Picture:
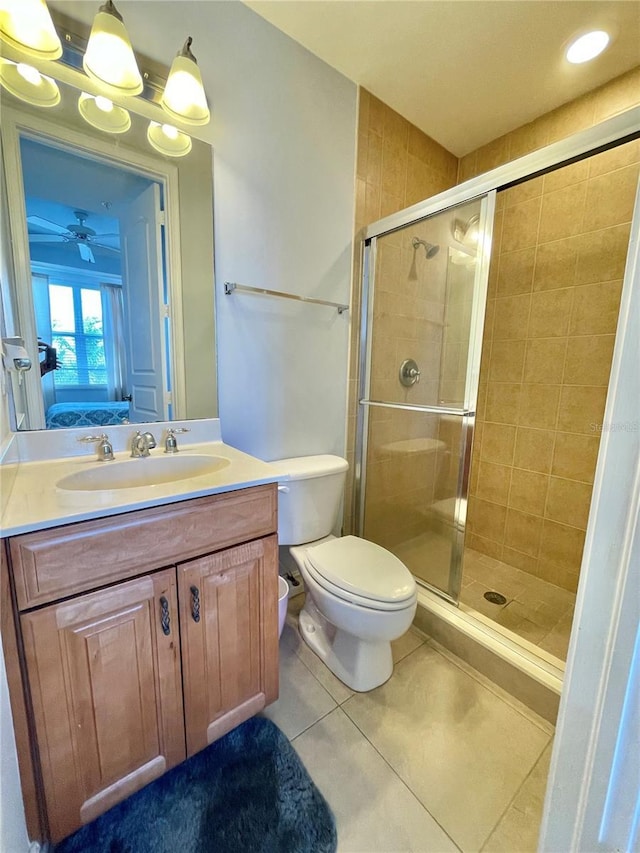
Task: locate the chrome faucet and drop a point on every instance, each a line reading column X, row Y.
column 105, row 448
column 141, row 444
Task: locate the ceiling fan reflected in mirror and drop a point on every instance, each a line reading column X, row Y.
column 84, row 237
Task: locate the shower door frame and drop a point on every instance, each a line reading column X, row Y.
column 608, row 134
column 466, row 412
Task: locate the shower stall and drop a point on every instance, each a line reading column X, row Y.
column 488, row 324
column 423, row 312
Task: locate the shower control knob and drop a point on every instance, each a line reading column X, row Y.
column 409, row 373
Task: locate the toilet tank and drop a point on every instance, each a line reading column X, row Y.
column 310, row 491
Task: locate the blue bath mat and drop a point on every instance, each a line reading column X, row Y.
column 246, row 792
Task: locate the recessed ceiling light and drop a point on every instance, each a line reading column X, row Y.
column 587, row 46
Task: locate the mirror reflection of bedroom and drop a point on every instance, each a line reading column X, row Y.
column 98, row 285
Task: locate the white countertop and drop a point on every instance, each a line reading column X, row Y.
column 35, row 502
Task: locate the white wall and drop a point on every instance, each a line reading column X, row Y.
column 284, row 178
column 283, row 132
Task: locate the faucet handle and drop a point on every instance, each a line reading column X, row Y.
column 170, row 441
column 105, row 448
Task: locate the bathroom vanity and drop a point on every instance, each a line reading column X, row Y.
column 134, row 640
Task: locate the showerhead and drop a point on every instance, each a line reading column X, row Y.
column 430, row 249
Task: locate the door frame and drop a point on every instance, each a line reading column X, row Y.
column 592, row 791
column 16, row 124
column 466, row 411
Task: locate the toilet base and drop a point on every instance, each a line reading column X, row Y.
column 361, row 664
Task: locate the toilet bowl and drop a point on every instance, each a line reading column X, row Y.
column 360, row 596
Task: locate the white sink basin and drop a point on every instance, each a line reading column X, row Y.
column 149, row 471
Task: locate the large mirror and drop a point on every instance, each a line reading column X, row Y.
column 112, row 289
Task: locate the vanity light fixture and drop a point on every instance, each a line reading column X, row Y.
column 184, row 98
column 168, row 140
column 587, row 46
column 27, row 26
column 103, row 114
column 27, row 83
column 467, row 232
column 109, row 58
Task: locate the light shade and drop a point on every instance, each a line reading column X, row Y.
column 27, row 26
column 109, row 58
column 184, row 98
column 467, row 232
column 28, row 84
column 103, row 114
column 587, row 46
column 168, row 140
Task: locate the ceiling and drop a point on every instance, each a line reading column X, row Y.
column 463, row 71
column 57, row 183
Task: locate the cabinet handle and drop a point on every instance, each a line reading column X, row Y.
column 195, row 603
column 165, row 619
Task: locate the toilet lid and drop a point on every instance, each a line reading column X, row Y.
column 362, row 568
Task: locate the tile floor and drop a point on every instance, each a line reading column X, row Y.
column 535, row 610
column 437, row 759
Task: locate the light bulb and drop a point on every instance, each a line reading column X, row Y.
column 183, row 92
column 26, row 83
column 27, row 25
column 104, row 104
column 183, row 97
column 30, row 74
column 109, row 57
column 587, row 47
column 168, row 140
column 103, row 114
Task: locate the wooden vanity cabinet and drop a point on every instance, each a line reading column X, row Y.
column 228, row 607
column 106, row 689
column 126, row 680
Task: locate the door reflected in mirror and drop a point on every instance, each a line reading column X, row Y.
column 96, row 243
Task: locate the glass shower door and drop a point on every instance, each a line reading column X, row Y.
column 424, row 301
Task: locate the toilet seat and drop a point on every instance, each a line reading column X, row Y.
column 352, row 598
column 362, row 573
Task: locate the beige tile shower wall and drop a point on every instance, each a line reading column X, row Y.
column 408, row 317
column 397, row 165
column 614, row 97
column 554, row 293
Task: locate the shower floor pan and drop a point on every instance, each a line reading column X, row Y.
column 528, row 673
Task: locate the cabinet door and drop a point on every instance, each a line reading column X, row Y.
column 229, row 631
column 104, row 672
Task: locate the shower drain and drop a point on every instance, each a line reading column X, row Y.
column 495, row 597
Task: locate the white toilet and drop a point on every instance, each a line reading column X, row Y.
column 360, row 597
